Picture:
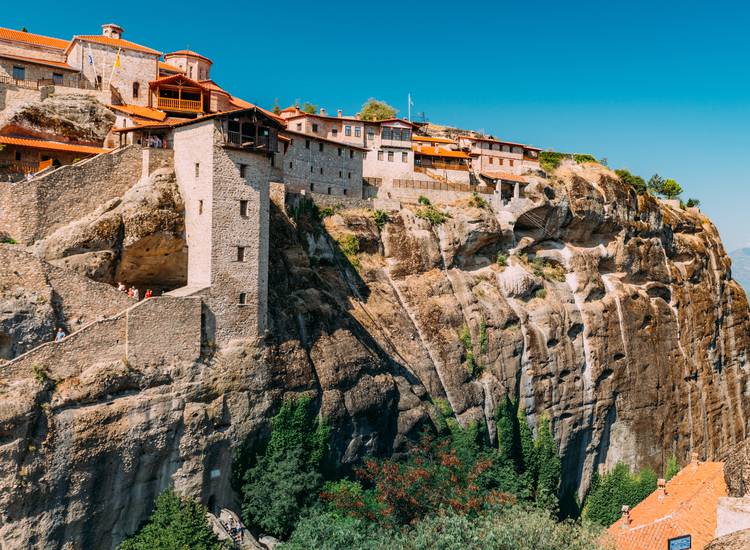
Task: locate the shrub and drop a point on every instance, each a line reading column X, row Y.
column 8, row 240
column 374, row 109
column 637, row 182
column 323, row 529
column 548, row 461
column 672, row 468
column 670, row 189
column 502, row 259
column 175, row 524
column 381, row 218
column 349, row 246
column 470, row 363
column 432, row 215
column 285, row 478
column 691, row 203
column 549, row 160
column 41, row 373
column 477, row 202
column 327, row 212
column 309, row 108
column 611, row 491
column 423, row 200
column 537, row 266
column 540, row 293
column 484, row 341
column 580, row 159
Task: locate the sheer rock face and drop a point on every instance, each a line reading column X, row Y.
column 70, row 117
column 636, row 350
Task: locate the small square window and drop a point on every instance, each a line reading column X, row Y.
column 314, row 127
column 340, row 151
column 311, row 169
column 243, row 169
column 312, row 187
column 349, row 175
column 243, row 298
column 320, row 147
column 243, row 209
column 329, row 191
column 345, row 192
column 357, row 131
column 197, row 169
column 321, row 170
column 290, row 164
column 240, row 253
column 299, row 126
column 380, row 155
column 334, row 132
column 307, row 144
column 18, row 155
column 341, row 174
column 200, row 207
column 347, row 130
column 492, row 161
column 404, row 157
column 351, row 153
column 390, row 156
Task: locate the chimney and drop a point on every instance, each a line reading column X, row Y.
column 661, row 485
column 322, row 112
column 694, row 462
column 111, row 30
column 339, row 113
column 625, row 516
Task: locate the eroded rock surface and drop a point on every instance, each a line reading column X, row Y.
column 628, row 332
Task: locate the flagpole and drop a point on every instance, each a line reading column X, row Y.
column 114, row 66
column 409, row 99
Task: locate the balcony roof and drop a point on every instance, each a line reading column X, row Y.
column 51, row 145
column 177, row 80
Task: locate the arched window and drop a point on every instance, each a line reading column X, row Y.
column 136, row 89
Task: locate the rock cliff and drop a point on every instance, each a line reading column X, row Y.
column 613, row 314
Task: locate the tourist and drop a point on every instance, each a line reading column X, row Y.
column 121, row 287
column 60, row 334
column 130, row 291
column 136, row 294
column 148, row 294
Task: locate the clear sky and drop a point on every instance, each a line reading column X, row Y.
column 654, row 86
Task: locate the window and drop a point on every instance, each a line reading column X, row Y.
column 380, row 155
column 190, row 72
column 501, row 162
column 349, row 175
column 370, row 132
column 290, row 164
column 315, row 127
column 404, row 157
column 57, row 78
column 334, row 132
column 357, row 131
column 351, row 153
column 390, row 156
column 98, row 82
column 299, row 126
column 19, row 73
column 18, row 155
column 320, row 147
column 136, row 89
column 345, row 193
column 243, row 209
column 243, row 298
column 328, row 191
column 492, row 161
column 387, row 133
column 511, row 162
column 240, row 253
column 341, row 174
column 307, row 144
column 340, row 151
column 312, row 187
column 200, row 207
column 311, row 169
column 243, row 170
column 197, row 169
column 321, row 170
column 347, row 130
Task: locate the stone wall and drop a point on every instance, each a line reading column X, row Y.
column 164, row 330
column 34, row 72
column 30, row 210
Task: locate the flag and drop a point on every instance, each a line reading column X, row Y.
column 117, row 59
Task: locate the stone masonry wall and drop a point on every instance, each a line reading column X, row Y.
column 30, row 210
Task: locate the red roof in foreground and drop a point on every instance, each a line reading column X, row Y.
column 30, row 38
column 687, row 508
column 51, row 145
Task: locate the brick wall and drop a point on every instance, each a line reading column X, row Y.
column 30, row 210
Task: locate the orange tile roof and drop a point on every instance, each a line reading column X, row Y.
column 114, row 42
column 688, row 508
column 504, row 142
column 51, row 145
column 36, row 39
column 176, row 77
column 143, row 112
column 497, row 175
column 187, row 52
column 168, row 67
column 428, row 139
column 438, row 152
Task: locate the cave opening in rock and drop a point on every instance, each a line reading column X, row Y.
column 6, row 346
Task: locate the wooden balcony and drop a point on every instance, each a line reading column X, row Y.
column 181, row 105
column 436, row 165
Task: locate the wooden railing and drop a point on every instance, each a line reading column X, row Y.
column 36, row 84
column 172, row 104
column 441, row 166
column 441, row 186
column 19, row 167
column 266, row 143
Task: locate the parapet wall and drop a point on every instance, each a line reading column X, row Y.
column 30, row 210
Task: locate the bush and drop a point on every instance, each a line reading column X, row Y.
column 672, row 468
column 327, row 212
column 477, row 202
column 693, row 203
column 424, row 200
column 432, row 215
column 381, row 218
column 580, row 159
column 349, row 246
column 637, row 182
column 309, row 108
column 540, row 293
column 502, row 259
column 328, row 530
column 550, row 160
column 285, row 478
column 611, row 491
column 8, row 240
column 175, row 524
column 670, row 189
column 375, row 109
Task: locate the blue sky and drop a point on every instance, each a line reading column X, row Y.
column 659, row 86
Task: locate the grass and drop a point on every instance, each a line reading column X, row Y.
column 432, row 215
column 41, row 374
column 8, row 240
column 502, row 259
column 548, row 269
column 471, row 365
column 349, row 246
column 424, row 200
column 381, row 218
column 477, row 202
column 541, row 293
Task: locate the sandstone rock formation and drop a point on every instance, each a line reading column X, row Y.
column 739, row 540
column 138, row 238
column 615, row 315
column 71, row 117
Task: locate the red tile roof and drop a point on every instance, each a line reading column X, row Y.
column 51, row 145
column 115, row 43
column 171, row 68
column 45, row 62
column 187, row 52
column 143, row 112
column 174, row 78
column 687, row 508
column 428, row 139
column 438, row 152
column 496, row 175
column 489, row 140
column 36, row 39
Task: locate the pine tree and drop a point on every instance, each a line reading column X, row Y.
column 507, row 440
column 548, row 484
column 529, row 460
column 175, row 524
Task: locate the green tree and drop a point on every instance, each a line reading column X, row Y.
column 276, row 107
column 309, row 108
column 374, row 109
column 655, row 183
column 672, row 468
column 529, row 464
column 671, row 189
column 285, row 478
column 611, row 491
column 175, row 524
column 637, row 182
column 548, row 484
column 693, row 203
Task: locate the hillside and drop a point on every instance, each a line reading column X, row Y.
column 741, row 266
column 607, row 311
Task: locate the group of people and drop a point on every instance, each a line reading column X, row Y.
column 234, row 529
column 134, row 292
column 156, row 142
